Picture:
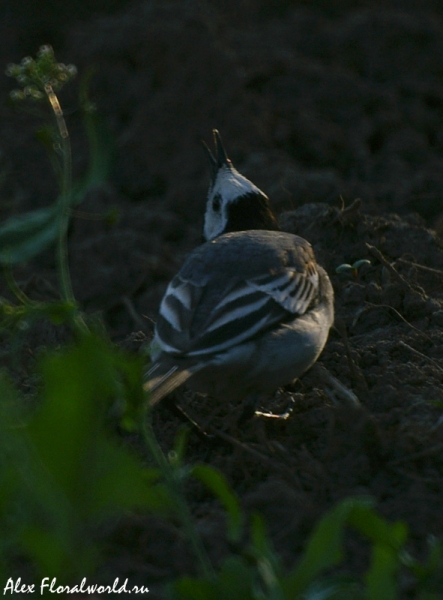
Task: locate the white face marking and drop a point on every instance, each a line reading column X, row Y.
column 229, row 186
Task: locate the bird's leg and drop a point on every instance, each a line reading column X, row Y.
column 281, row 416
column 183, row 415
column 249, row 410
column 257, row 418
column 346, row 396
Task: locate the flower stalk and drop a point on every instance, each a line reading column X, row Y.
column 39, row 79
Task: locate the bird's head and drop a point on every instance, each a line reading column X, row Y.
column 234, row 203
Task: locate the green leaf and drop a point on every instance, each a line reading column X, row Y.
column 57, row 311
column 334, row 588
column 236, row 580
column 191, row 588
column 381, row 579
column 12, row 442
column 216, row 482
column 101, row 154
column 267, row 560
column 360, row 263
column 388, row 541
column 366, row 521
column 53, row 554
column 94, row 473
column 22, row 237
column 130, row 384
column 180, row 442
column 100, row 140
column 70, row 473
column 66, row 426
column 344, row 268
column 122, row 482
column 324, row 548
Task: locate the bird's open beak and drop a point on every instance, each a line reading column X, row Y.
column 221, row 159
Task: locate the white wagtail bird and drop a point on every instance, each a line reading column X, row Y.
column 250, row 310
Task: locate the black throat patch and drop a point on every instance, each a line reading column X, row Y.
column 251, row 211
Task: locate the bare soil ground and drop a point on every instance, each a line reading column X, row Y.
column 319, row 107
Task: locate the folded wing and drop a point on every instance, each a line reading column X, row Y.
column 245, row 309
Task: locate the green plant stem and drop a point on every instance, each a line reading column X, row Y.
column 174, row 486
column 66, row 291
column 66, row 187
column 12, row 284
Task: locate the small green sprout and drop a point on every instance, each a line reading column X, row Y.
column 352, row 269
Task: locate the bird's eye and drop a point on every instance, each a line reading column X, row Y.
column 216, row 203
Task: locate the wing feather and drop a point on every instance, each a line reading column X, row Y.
column 294, row 290
column 245, row 308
